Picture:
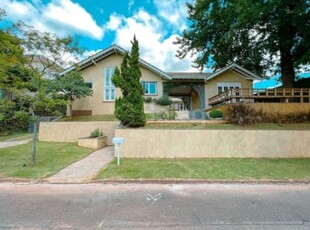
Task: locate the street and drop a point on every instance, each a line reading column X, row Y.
column 154, row 206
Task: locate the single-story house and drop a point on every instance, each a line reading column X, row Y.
column 193, row 88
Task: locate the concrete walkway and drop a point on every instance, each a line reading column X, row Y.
column 86, row 169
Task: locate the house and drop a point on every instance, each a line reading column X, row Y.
column 194, row 89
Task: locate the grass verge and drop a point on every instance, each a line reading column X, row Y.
column 102, row 117
column 220, row 168
column 263, row 126
column 19, row 135
column 51, row 157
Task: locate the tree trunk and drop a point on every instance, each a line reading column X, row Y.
column 70, row 106
column 34, row 141
column 287, row 68
column 34, row 136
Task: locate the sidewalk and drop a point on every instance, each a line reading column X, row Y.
column 86, row 169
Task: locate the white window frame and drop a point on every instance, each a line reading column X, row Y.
column 148, row 85
column 229, row 85
column 108, row 85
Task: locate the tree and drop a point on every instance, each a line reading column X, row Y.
column 29, row 59
column 129, row 108
column 70, row 87
column 259, row 35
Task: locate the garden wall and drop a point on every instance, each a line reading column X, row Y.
column 163, row 143
column 71, row 131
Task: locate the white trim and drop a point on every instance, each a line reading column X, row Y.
column 108, row 85
column 111, row 50
column 228, row 85
column 242, row 71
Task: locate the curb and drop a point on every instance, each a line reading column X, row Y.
column 198, row 181
column 160, row 181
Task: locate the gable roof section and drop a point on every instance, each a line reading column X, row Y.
column 92, row 60
column 237, row 68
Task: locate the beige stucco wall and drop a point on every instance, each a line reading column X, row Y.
column 71, row 131
column 228, row 76
column 163, row 143
column 95, row 73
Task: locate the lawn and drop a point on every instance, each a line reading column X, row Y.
column 213, row 169
column 17, row 135
column 103, row 117
column 262, row 126
column 51, row 157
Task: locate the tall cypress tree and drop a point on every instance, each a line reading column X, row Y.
column 129, row 108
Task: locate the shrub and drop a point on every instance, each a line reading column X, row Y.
column 96, row 133
column 148, row 99
column 163, row 101
column 243, row 114
column 216, row 113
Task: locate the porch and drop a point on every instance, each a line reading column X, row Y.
column 236, row 95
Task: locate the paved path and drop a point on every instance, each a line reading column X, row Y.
column 13, row 142
column 86, row 169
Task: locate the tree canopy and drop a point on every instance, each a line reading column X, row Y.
column 70, row 87
column 129, row 108
column 262, row 36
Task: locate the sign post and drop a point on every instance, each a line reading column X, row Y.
column 118, row 141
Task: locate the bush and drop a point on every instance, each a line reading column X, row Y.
column 242, row 114
column 216, row 113
column 148, row 99
column 96, row 133
column 163, row 101
column 11, row 119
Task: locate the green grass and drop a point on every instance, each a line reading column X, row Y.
column 19, row 135
column 263, row 126
column 102, row 117
column 51, row 157
column 221, row 168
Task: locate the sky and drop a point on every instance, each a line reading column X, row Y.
column 100, row 23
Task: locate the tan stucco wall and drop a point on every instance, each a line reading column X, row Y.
column 229, row 76
column 72, row 131
column 95, row 73
column 214, row 143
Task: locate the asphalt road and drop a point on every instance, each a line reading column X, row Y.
column 153, row 206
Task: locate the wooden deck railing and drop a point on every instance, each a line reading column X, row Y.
column 235, row 95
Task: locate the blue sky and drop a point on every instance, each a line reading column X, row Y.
column 101, row 23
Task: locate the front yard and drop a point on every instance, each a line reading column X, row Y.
column 51, row 157
column 213, row 169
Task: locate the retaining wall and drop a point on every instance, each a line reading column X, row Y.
column 163, row 143
column 71, row 131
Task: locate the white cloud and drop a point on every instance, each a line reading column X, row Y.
column 114, row 22
column 73, row 16
column 62, row 17
column 130, row 4
column 174, row 12
column 155, row 48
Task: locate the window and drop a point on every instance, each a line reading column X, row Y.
column 89, row 84
column 150, row 88
column 109, row 92
column 223, row 86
